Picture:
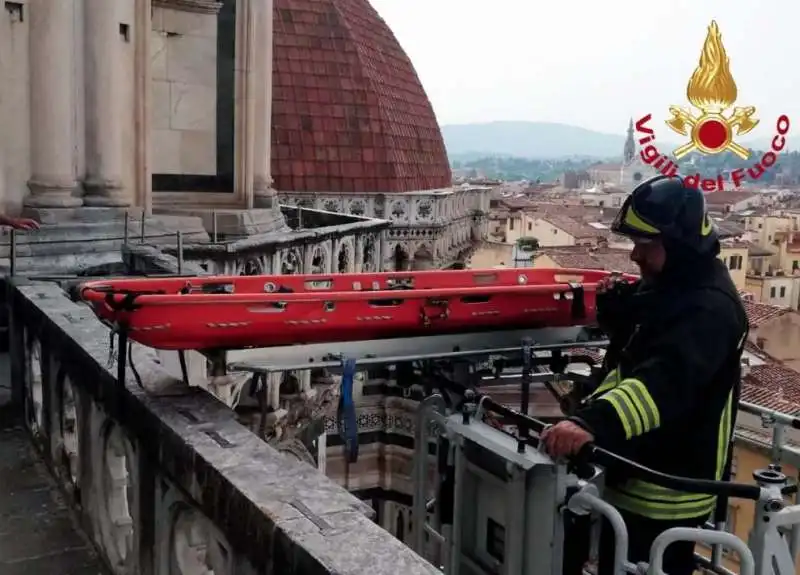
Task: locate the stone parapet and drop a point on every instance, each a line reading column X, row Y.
column 162, row 476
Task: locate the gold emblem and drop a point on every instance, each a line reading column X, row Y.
column 712, row 90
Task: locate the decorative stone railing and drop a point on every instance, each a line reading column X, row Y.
column 163, row 478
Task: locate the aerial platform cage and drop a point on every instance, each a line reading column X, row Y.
column 495, row 504
column 486, row 500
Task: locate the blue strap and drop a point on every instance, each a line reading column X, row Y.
column 346, row 414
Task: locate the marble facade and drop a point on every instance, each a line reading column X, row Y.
column 106, row 97
column 184, row 92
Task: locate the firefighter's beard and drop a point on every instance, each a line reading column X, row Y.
column 650, row 257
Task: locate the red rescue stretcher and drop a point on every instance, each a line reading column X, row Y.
column 232, row 312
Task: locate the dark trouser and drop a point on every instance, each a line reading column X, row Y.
column 678, row 558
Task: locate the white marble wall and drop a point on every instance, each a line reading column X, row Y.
column 184, row 100
column 14, row 110
column 127, row 94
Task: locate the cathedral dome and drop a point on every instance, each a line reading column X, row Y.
column 349, row 113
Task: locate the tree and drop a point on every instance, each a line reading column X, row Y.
column 528, row 244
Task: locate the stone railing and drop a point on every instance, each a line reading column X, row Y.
column 163, row 478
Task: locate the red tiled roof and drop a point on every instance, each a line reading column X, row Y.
column 349, row 113
column 760, row 313
column 574, row 227
column 727, row 197
column 773, row 386
column 594, row 259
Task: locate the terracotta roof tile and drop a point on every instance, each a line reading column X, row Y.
column 760, row 313
column 773, row 386
column 574, row 227
column 349, row 112
column 727, row 197
column 594, row 259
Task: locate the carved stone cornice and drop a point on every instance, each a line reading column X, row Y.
column 200, row 6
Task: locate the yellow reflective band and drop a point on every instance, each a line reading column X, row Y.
column 648, row 408
column 609, row 382
column 633, row 220
column 634, row 406
column 625, row 414
column 724, row 436
column 651, row 500
column 706, row 226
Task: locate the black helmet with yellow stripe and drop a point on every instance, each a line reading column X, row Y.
column 665, row 208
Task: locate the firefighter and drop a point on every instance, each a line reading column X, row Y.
column 668, row 390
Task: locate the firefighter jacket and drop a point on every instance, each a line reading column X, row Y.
column 669, row 389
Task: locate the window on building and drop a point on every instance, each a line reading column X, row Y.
column 530, row 226
column 783, row 291
column 735, row 262
column 510, row 223
column 772, row 291
column 795, row 265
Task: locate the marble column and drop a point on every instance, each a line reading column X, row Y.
column 322, row 452
column 104, row 68
column 142, row 28
column 246, row 38
column 52, row 98
column 359, row 255
column 382, row 255
column 263, row 194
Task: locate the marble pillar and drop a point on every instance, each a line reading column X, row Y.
column 104, row 68
column 383, row 256
column 274, row 381
column 244, row 125
column 263, row 194
column 52, row 99
column 322, row 452
column 359, row 255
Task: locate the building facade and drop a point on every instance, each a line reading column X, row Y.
column 183, row 107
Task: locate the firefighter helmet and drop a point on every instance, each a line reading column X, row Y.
column 664, row 207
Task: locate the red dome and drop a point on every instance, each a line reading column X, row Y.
column 349, row 113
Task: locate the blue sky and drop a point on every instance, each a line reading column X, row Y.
column 593, row 64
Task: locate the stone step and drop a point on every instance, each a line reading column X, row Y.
column 73, row 245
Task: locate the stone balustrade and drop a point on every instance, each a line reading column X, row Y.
column 163, row 478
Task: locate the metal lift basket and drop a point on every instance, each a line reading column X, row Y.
column 235, row 312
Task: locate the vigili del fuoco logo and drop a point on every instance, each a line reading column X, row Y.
column 711, row 127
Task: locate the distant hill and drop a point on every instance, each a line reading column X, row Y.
column 545, row 140
column 528, row 140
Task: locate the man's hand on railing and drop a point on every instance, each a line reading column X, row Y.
column 24, row 224
column 565, row 438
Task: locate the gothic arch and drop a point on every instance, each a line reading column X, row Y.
column 400, row 258
column 252, row 266
column 291, row 262
column 423, row 258
column 319, row 260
